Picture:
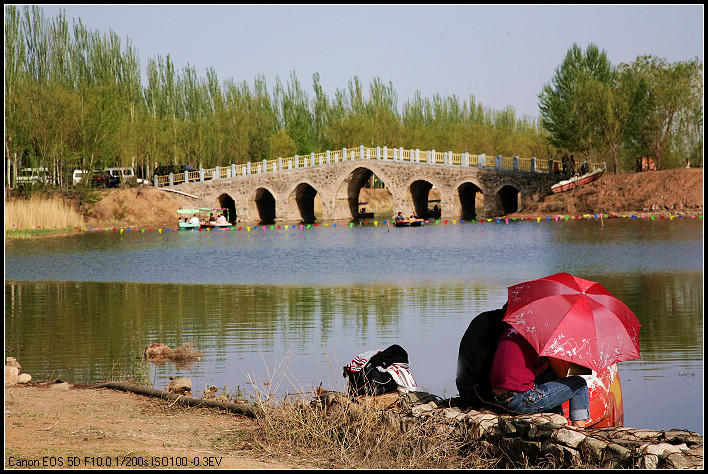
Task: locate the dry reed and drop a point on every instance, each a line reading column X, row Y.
column 347, row 434
column 185, row 353
column 38, row 213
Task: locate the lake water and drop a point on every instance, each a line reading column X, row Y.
column 284, row 310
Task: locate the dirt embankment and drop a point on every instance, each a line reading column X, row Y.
column 678, row 191
column 63, row 428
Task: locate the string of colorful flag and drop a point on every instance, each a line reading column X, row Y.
column 497, row 220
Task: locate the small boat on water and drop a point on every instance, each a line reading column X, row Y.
column 363, row 214
column 186, row 214
column 434, row 213
column 409, row 223
column 188, row 225
column 576, row 181
column 208, row 221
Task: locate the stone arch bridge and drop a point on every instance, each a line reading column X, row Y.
column 329, row 184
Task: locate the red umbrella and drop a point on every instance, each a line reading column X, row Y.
column 573, row 319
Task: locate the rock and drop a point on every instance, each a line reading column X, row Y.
column 12, row 362
column 180, row 385
column 683, row 461
column 643, row 434
column 158, row 351
column 616, row 456
column 420, row 410
column 454, row 413
column 11, row 375
column 648, row 461
column 61, row 386
column 564, row 455
column 682, row 436
column 661, row 449
column 24, row 378
column 569, row 437
column 592, row 448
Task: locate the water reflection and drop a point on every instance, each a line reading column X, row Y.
column 246, row 332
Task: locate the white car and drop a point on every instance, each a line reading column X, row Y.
column 30, row 176
column 126, row 175
column 79, row 175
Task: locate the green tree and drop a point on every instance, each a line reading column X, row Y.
column 559, row 100
column 609, row 111
column 673, row 114
column 281, row 145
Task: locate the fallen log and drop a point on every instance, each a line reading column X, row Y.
column 241, row 409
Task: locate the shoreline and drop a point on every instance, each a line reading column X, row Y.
column 518, row 216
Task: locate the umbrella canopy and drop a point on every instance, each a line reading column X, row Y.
column 573, row 319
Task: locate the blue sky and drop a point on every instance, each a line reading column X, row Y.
column 500, row 54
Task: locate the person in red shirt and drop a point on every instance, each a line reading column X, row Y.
column 524, row 382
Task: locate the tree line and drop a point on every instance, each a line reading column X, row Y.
column 647, row 108
column 75, row 99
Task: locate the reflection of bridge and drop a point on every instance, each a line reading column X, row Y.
column 287, row 188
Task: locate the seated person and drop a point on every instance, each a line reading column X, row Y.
column 194, row 219
column 400, row 217
column 515, row 385
column 211, row 217
column 221, row 219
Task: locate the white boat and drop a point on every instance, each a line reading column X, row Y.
column 576, row 181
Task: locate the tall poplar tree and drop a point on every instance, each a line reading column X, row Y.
column 558, row 100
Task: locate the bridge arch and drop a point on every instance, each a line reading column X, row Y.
column 464, row 199
column 507, row 199
column 262, row 205
column 301, row 203
column 346, row 196
column 417, row 194
column 227, row 202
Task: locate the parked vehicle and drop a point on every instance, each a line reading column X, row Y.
column 164, row 170
column 123, row 175
column 80, row 175
column 33, row 176
column 103, row 179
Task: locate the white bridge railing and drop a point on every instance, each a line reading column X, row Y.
column 431, row 157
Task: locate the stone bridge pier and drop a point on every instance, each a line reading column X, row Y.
column 295, row 194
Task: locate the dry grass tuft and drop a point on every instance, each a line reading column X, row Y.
column 346, row 434
column 185, row 353
column 159, row 352
column 40, row 213
column 326, row 429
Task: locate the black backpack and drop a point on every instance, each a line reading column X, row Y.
column 474, row 362
column 364, row 377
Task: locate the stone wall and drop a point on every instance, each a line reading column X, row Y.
column 540, row 440
column 530, row 439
